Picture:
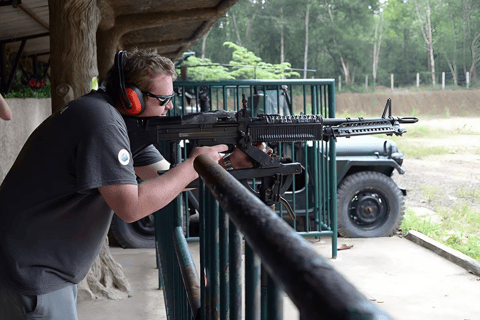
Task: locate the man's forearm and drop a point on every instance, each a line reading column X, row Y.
column 156, row 193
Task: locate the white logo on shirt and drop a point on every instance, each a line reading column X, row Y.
column 124, row 157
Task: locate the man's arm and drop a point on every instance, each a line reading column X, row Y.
column 151, row 171
column 5, row 112
column 133, row 202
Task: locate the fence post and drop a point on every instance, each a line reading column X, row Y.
column 443, row 80
column 339, row 83
column 391, row 81
column 468, row 79
column 418, row 79
column 366, row 83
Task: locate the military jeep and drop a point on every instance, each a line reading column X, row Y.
column 369, row 203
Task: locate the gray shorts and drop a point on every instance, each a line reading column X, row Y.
column 56, row 305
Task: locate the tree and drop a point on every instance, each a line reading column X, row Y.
column 423, row 10
column 447, row 39
column 246, row 65
column 206, row 70
column 307, row 16
column 377, row 42
column 347, row 26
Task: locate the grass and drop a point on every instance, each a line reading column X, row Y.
column 457, row 227
column 410, row 146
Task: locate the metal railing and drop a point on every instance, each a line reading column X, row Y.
column 215, row 290
column 313, row 193
column 288, row 263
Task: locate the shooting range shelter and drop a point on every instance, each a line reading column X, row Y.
column 77, row 40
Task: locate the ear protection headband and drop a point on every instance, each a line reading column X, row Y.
column 130, row 98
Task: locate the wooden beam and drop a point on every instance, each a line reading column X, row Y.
column 151, row 44
column 34, row 36
column 131, row 22
column 33, row 15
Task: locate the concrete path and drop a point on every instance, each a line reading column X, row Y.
column 403, row 278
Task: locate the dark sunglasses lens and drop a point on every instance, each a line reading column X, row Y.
column 164, row 101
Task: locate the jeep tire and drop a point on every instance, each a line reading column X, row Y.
column 369, row 204
column 139, row 234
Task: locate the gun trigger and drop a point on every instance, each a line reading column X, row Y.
column 288, row 207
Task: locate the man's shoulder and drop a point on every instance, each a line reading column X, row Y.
column 93, row 110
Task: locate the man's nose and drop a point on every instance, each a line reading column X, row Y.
column 169, row 105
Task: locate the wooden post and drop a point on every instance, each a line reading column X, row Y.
column 418, row 79
column 468, row 79
column 366, row 83
column 443, row 80
column 339, row 83
column 73, row 49
column 183, row 73
column 391, row 81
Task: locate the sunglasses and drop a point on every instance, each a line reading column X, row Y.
column 163, row 99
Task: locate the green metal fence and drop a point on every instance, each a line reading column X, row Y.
column 313, row 203
column 215, row 291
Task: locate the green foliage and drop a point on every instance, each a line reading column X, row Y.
column 344, row 30
column 27, row 92
column 19, row 87
column 246, row 65
column 205, row 70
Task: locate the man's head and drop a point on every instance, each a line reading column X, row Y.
column 146, row 70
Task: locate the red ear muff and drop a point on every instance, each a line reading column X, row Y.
column 130, row 98
column 135, row 97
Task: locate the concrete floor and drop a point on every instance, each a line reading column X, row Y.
column 401, row 277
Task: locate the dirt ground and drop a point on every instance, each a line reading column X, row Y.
column 443, row 173
column 447, row 110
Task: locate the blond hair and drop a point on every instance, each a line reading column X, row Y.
column 139, row 67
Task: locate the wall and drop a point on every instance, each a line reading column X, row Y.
column 27, row 114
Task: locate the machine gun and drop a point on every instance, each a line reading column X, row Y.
column 239, row 130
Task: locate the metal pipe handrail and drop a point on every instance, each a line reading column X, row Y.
column 188, row 271
column 316, row 288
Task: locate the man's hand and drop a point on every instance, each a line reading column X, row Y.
column 240, row 160
column 212, row 152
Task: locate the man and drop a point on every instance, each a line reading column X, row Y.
column 56, row 202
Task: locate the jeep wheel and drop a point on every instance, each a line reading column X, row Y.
column 369, row 204
column 139, row 234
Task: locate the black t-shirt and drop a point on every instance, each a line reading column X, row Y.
column 52, row 217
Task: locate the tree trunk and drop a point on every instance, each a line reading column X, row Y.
column 236, row 30
column 105, row 279
column 282, row 44
column 108, row 44
column 204, row 44
column 73, row 49
column 475, row 57
column 73, row 24
column 453, row 69
column 306, row 42
column 249, row 27
column 377, row 42
column 453, row 65
column 426, row 27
